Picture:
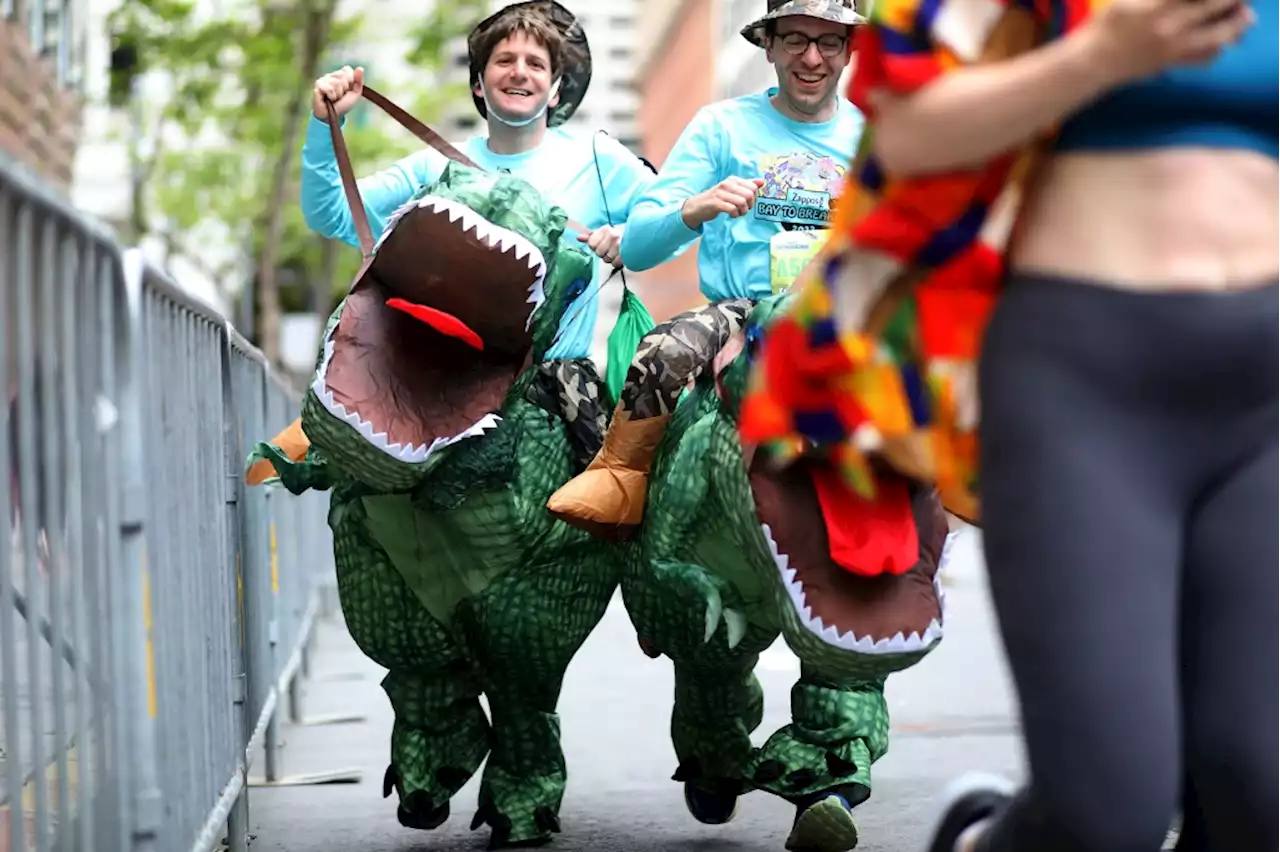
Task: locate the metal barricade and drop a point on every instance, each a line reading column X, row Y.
column 152, row 608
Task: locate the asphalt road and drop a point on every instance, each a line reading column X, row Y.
column 952, row 713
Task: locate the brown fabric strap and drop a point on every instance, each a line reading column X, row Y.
column 359, row 216
column 417, row 128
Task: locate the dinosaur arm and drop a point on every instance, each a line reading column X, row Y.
column 291, row 444
column 269, row 463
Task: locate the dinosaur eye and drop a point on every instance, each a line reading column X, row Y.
column 577, row 288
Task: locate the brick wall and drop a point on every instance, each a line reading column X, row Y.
column 39, row 121
column 679, row 79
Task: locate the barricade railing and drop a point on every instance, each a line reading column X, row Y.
column 153, row 609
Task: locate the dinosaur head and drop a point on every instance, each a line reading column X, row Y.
column 852, row 575
column 467, row 287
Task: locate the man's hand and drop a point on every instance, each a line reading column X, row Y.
column 344, row 87
column 606, row 242
column 733, row 195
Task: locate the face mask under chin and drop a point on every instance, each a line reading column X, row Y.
column 518, row 122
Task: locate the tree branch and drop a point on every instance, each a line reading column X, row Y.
column 314, row 36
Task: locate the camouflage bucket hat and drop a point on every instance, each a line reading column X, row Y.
column 575, row 73
column 835, row 11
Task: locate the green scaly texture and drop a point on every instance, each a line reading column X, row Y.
column 703, row 589
column 455, row 578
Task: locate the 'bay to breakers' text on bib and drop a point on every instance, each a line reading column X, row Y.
column 798, row 192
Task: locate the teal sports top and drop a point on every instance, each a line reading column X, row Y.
column 1229, row 103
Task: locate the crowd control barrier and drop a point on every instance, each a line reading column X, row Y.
column 155, row 613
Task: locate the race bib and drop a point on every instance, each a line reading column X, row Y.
column 790, row 252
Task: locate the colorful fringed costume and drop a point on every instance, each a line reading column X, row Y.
column 877, row 357
column 441, row 432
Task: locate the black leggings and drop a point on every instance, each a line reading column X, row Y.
column 1129, row 488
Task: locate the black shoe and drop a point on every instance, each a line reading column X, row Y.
column 416, row 811
column 969, row 799
column 707, row 807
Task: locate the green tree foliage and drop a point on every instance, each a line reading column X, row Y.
column 217, row 129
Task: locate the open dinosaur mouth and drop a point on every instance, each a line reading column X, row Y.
column 861, row 578
column 434, row 332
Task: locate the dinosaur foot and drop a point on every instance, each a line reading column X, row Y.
column 824, row 821
column 507, row 835
column 418, row 812
column 416, row 809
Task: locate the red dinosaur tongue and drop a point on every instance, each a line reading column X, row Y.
column 868, row 537
column 446, row 324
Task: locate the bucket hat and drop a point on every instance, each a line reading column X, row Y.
column 835, row 11
column 575, row 73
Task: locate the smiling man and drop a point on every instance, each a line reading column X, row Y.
column 530, row 68
column 754, row 177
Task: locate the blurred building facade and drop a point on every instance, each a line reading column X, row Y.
column 41, row 62
column 677, row 46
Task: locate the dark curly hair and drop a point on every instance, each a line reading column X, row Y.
column 521, row 19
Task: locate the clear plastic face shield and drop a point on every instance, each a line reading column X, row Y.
column 519, row 122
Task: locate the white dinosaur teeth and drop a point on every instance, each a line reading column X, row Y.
column 896, row 644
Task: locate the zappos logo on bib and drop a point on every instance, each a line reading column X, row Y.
column 798, row 190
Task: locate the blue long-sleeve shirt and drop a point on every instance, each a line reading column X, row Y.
column 563, row 168
column 802, row 165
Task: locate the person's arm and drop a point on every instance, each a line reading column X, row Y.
column 655, row 230
column 324, row 205
column 966, row 117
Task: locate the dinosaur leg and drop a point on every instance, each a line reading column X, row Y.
column 441, row 734
column 608, row 498
column 821, row 762
column 718, row 704
column 523, row 631
column 718, row 701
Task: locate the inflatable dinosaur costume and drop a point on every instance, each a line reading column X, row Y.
column 441, row 433
column 731, row 553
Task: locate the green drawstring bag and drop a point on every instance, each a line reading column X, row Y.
column 634, row 322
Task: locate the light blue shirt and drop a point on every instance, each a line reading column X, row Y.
column 562, row 168
column 802, row 164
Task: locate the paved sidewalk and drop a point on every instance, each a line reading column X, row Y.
column 952, row 713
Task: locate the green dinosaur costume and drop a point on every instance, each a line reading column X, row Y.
column 731, row 554
column 442, row 433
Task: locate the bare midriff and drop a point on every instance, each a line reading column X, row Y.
column 1166, row 220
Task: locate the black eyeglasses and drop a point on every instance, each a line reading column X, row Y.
column 829, row 44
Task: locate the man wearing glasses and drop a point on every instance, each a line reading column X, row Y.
column 755, row 176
